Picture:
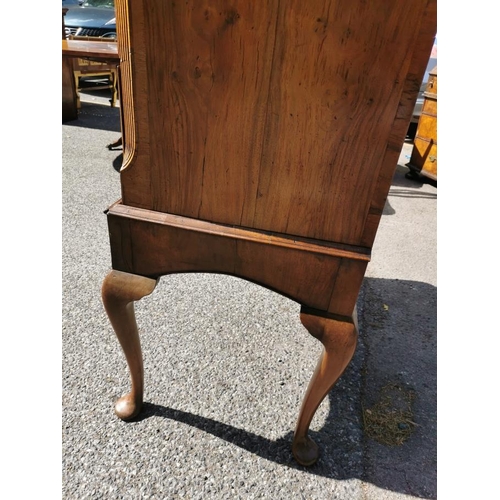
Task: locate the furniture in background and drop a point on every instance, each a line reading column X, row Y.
column 423, row 160
column 102, row 51
column 69, row 106
column 91, row 68
column 261, row 141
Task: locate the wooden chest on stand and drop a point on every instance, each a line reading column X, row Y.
column 261, row 142
column 423, row 159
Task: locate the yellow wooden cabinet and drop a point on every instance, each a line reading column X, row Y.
column 423, row 159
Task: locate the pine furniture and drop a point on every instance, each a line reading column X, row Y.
column 423, row 160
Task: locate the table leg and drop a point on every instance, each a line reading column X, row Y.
column 339, row 338
column 119, row 292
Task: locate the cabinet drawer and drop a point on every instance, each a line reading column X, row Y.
column 427, row 128
column 424, row 157
column 430, row 107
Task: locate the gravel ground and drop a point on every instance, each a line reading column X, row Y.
column 227, row 362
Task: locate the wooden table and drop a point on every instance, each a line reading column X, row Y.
column 69, row 97
column 84, row 49
column 262, row 138
column 95, row 51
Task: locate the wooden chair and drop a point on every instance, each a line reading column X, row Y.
column 83, row 67
column 260, row 141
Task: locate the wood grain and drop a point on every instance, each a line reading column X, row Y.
column 422, row 46
column 322, row 276
column 273, row 116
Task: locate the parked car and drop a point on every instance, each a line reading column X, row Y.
column 71, row 3
column 91, row 18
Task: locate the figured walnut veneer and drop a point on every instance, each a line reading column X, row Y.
column 260, row 140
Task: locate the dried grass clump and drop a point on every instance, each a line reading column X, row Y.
column 390, row 421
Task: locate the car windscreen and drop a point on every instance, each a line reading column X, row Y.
column 99, row 3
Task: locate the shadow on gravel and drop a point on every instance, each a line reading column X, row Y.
column 397, row 346
column 97, row 116
column 418, row 181
column 117, row 162
column 402, row 187
column 399, row 328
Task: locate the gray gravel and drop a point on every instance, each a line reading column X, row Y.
column 227, row 362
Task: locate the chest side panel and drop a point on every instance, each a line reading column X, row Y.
column 270, row 115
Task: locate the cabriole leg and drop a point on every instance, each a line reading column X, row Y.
column 339, row 340
column 119, row 291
